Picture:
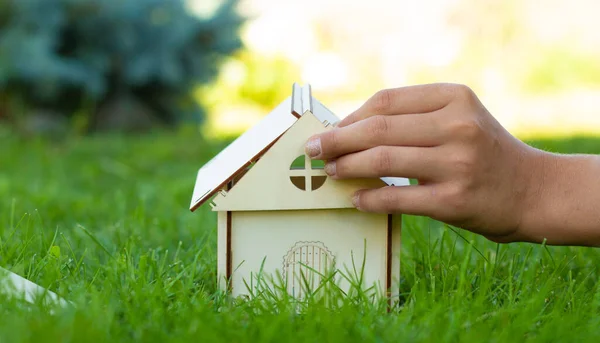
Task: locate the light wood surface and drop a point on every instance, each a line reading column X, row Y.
column 263, row 240
column 267, row 186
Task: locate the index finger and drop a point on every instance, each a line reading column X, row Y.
column 407, row 130
column 404, row 100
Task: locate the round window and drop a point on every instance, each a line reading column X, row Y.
column 307, row 174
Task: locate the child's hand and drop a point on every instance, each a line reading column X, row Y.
column 472, row 173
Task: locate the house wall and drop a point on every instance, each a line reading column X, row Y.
column 275, row 241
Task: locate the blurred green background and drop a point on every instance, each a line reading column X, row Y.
column 81, row 66
column 109, row 107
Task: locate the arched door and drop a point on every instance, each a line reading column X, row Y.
column 305, row 264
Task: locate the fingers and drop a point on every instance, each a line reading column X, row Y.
column 415, row 200
column 407, row 130
column 405, row 100
column 408, row 162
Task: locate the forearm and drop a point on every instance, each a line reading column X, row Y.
column 564, row 201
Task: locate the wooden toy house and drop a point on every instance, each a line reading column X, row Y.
column 279, row 213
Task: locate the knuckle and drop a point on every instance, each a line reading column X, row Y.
column 382, row 162
column 377, row 126
column 381, row 102
column 464, row 162
column 462, row 92
column 467, row 128
column 456, row 198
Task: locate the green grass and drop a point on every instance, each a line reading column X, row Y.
column 103, row 221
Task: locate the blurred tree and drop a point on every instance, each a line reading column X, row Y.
column 118, row 64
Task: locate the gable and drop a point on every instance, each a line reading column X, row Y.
column 222, row 168
column 271, row 184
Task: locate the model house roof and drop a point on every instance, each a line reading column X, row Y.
column 252, row 144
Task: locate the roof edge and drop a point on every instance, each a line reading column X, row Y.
column 249, row 146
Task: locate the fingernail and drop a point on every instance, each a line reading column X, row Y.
column 330, row 168
column 313, row 147
column 355, row 199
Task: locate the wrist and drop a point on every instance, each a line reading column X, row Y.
column 561, row 206
column 539, row 170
